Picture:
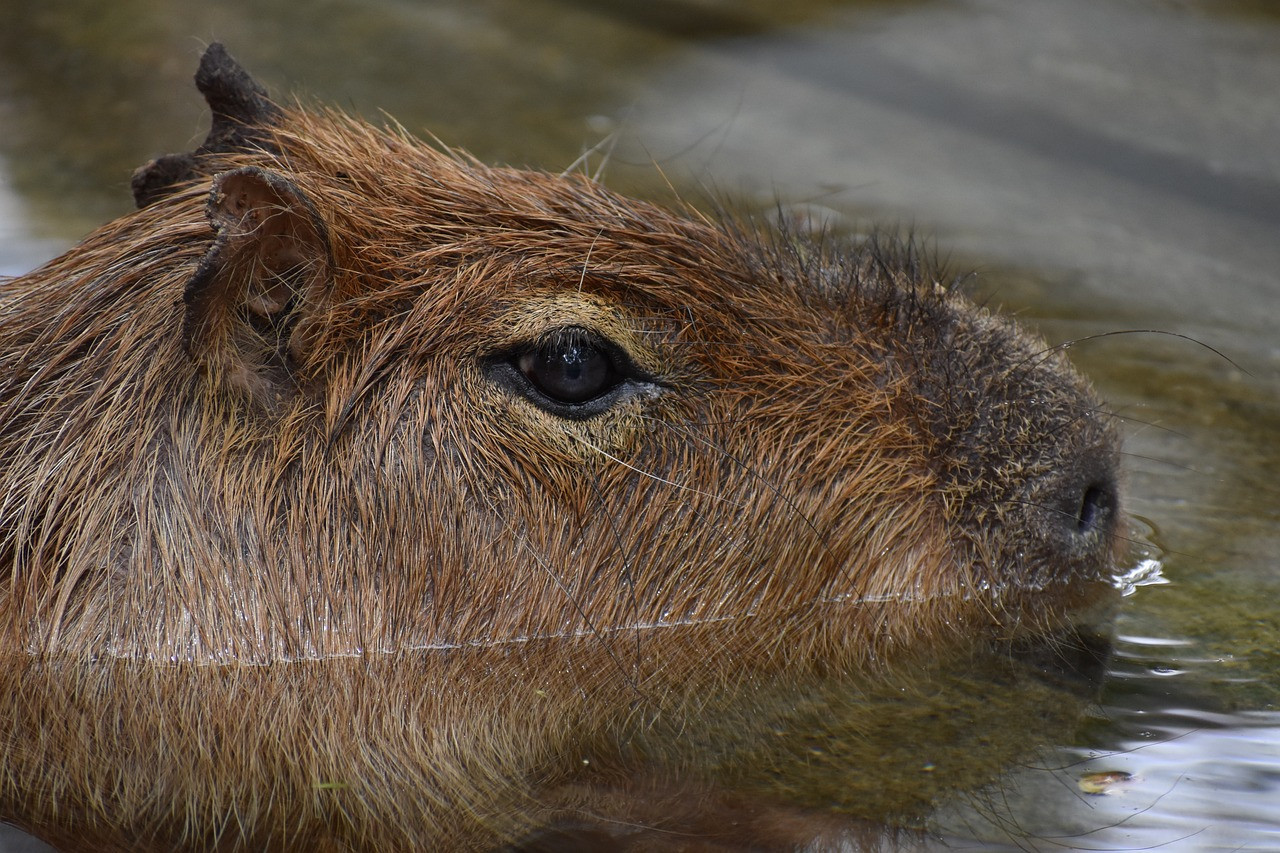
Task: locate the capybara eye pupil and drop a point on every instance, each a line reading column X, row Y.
column 570, row 370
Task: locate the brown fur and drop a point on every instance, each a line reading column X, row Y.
column 285, row 560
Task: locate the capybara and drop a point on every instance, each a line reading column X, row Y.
column 353, row 489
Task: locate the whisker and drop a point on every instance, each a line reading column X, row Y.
column 650, row 475
column 627, row 576
column 821, row 537
column 1065, row 345
column 586, row 619
column 1178, row 465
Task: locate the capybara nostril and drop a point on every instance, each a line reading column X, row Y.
column 1095, row 514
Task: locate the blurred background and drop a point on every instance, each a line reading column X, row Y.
column 1099, row 166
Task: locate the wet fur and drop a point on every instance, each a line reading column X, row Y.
column 282, row 565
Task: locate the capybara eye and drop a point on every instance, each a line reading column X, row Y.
column 571, row 369
column 573, row 373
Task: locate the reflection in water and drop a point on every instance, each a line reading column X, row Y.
column 1190, row 779
column 833, row 760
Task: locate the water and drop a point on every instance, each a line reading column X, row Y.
column 1105, row 167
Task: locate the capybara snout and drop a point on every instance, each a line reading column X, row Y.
column 350, row 485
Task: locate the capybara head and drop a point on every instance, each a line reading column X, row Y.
column 349, row 483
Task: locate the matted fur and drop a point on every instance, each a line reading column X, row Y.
column 282, row 565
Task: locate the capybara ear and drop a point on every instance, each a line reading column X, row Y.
column 268, row 268
column 242, row 114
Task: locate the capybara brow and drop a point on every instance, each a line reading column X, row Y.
column 350, row 486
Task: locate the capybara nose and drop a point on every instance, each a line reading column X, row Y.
column 1081, row 510
column 1074, row 511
